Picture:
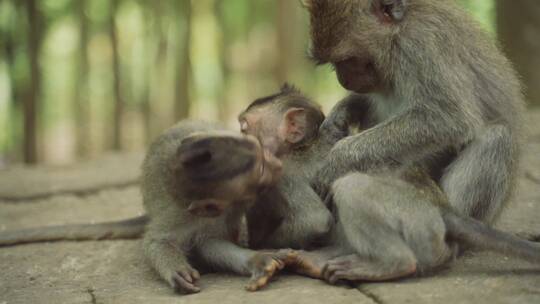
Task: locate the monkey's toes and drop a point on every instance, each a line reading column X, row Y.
column 308, row 264
column 266, row 265
column 333, row 273
column 341, row 268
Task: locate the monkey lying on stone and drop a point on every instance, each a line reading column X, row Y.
column 197, row 182
column 390, row 223
column 195, row 165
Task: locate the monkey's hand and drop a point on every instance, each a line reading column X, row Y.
column 184, row 280
column 265, row 264
column 322, row 182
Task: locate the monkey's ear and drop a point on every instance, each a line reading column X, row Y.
column 390, row 11
column 293, row 127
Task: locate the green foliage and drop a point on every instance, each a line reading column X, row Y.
column 483, row 11
column 234, row 54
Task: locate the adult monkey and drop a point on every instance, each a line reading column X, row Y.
column 436, row 90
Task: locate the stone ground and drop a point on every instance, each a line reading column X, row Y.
column 115, row 271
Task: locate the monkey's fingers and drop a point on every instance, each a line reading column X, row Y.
column 185, row 283
column 195, row 274
column 328, row 272
column 286, row 257
column 338, row 269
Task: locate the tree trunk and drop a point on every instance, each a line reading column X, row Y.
column 33, row 94
column 182, row 101
column 144, row 101
column 518, row 25
column 12, row 37
column 285, row 35
column 117, row 80
column 223, row 45
column 82, row 108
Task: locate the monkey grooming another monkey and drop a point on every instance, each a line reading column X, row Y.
column 389, row 224
column 436, row 89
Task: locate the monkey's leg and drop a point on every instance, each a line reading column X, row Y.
column 357, row 268
column 368, row 225
column 379, row 252
column 479, row 182
column 260, row 265
column 169, row 260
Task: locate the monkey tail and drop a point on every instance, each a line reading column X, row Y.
column 125, row 229
column 480, row 236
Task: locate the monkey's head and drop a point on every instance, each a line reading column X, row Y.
column 284, row 121
column 217, row 170
column 355, row 36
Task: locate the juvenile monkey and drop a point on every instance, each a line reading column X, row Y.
column 197, row 182
column 389, row 224
column 436, row 89
column 292, row 214
column 192, row 166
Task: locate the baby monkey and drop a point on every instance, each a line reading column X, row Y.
column 197, row 183
column 292, row 214
column 389, row 223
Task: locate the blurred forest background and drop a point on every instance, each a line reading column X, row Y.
column 82, row 77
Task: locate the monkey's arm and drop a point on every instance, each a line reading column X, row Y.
column 351, row 110
column 407, row 137
column 223, row 255
column 165, row 249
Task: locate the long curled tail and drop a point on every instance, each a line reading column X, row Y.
column 125, row 229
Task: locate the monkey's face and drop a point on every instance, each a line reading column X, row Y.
column 357, row 74
column 262, row 122
column 219, row 170
column 352, row 35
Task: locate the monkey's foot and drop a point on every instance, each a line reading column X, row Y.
column 310, row 264
column 355, row 268
column 185, row 280
column 265, row 264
